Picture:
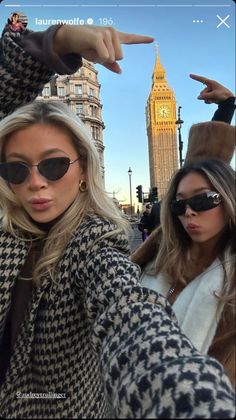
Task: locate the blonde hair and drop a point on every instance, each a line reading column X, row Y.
column 214, row 139
column 95, row 200
column 175, row 242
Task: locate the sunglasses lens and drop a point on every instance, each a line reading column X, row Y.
column 199, row 202
column 14, row 172
column 54, row 168
column 178, row 207
column 205, row 201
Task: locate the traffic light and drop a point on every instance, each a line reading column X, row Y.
column 155, row 193
column 153, row 196
column 139, row 193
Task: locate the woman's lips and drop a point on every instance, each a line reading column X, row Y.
column 40, row 204
column 191, row 227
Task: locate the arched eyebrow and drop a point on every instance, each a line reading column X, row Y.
column 193, row 192
column 42, row 155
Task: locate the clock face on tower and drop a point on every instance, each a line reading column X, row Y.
column 163, row 111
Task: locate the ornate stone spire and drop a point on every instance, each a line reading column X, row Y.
column 159, row 73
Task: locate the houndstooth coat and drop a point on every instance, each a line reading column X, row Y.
column 95, row 344
column 22, row 76
column 102, row 344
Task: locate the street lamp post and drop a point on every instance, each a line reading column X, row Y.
column 179, row 122
column 130, row 189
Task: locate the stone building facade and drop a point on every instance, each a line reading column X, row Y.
column 81, row 92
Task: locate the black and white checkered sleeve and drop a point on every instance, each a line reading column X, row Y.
column 22, row 76
column 149, row 367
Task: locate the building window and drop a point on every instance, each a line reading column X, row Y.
column 79, row 109
column 93, row 111
column 95, row 132
column 78, row 89
column 46, row 91
column 61, row 91
column 91, row 92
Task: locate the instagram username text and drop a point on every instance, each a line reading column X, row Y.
column 48, row 22
column 48, row 395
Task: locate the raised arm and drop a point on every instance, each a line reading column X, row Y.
column 28, row 60
column 97, row 44
column 149, row 368
column 216, row 93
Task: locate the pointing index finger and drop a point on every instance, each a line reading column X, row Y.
column 200, row 79
column 126, row 38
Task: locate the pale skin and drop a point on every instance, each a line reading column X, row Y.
column 50, row 142
column 96, row 44
column 214, row 92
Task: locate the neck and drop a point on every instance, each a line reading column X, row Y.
column 209, row 250
column 48, row 225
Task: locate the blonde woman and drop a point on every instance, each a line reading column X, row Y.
column 195, row 261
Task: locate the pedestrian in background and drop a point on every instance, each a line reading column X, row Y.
column 155, row 215
column 144, row 225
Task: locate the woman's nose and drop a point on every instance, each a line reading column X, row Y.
column 189, row 211
column 36, row 180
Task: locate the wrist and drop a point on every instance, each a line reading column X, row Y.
column 230, row 101
column 60, row 43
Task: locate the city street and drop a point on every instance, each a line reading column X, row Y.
column 136, row 238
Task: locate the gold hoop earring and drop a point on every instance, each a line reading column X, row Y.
column 83, row 186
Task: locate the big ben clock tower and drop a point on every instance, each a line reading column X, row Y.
column 161, row 130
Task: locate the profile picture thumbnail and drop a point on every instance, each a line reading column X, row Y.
column 17, row 22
